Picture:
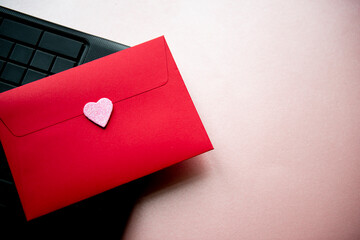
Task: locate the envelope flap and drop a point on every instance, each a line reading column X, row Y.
column 62, row 96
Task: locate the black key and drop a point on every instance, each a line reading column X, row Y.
column 60, row 44
column 5, row 47
column 42, row 60
column 20, row 32
column 32, row 75
column 61, row 64
column 21, row 54
column 12, row 73
column 2, row 64
column 4, row 87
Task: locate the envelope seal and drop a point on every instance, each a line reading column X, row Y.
column 99, row 112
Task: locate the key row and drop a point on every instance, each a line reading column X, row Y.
column 13, row 73
column 50, row 41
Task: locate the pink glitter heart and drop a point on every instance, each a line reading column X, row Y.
column 99, row 112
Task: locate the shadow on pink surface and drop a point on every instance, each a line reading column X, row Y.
column 177, row 175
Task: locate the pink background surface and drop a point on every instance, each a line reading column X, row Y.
column 277, row 85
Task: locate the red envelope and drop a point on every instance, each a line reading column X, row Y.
column 58, row 157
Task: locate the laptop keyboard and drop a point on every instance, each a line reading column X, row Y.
column 28, row 53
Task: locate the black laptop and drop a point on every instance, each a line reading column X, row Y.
column 31, row 49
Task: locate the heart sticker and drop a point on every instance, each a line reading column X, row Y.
column 99, row 112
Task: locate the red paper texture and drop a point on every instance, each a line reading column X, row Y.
column 58, row 157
